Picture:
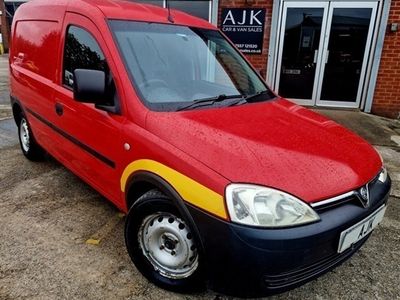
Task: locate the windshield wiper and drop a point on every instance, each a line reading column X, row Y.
column 255, row 95
column 209, row 101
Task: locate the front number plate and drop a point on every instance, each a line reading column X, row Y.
column 356, row 232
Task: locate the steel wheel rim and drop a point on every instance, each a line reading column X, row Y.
column 24, row 135
column 168, row 244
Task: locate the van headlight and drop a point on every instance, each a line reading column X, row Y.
column 266, row 207
column 383, row 175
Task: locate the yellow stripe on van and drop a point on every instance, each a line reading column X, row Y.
column 190, row 190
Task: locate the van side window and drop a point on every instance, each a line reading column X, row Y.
column 81, row 52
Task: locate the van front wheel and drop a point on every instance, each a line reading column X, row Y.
column 29, row 147
column 162, row 245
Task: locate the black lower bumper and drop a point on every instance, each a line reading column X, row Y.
column 247, row 261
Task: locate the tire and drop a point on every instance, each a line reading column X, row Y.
column 29, row 146
column 162, row 245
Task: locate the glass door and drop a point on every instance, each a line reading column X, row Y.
column 346, row 50
column 323, row 51
column 302, row 36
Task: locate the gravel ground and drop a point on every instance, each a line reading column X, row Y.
column 47, row 214
column 5, row 113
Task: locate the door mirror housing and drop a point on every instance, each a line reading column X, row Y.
column 90, row 87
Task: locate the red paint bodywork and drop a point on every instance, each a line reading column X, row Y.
column 275, row 143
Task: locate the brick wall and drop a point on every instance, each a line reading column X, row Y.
column 259, row 61
column 387, row 93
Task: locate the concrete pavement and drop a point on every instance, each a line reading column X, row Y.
column 4, row 81
column 8, row 133
column 382, row 133
column 8, row 136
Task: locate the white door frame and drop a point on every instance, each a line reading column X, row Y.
column 328, row 6
column 333, row 5
column 302, row 4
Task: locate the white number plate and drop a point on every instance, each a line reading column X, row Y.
column 356, row 232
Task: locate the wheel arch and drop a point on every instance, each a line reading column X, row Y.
column 16, row 109
column 141, row 182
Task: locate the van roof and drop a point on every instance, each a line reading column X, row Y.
column 112, row 9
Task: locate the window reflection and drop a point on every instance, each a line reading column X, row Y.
column 81, row 52
column 30, row 49
column 200, row 9
column 152, row 2
column 301, row 41
column 197, row 8
column 347, row 42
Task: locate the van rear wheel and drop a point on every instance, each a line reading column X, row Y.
column 28, row 144
column 162, row 245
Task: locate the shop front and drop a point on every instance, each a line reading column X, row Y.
column 342, row 54
column 323, row 52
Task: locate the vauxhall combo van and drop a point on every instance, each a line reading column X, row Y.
column 224, row 184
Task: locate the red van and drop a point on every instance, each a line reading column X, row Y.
column 224, row 183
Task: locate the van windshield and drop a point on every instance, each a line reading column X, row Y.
column 172, row 65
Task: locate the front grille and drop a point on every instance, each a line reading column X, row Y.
column 350, row 197
column 300, row 275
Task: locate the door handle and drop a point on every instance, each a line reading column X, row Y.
column 59, row 109
column 20, row 57
column 315, row 56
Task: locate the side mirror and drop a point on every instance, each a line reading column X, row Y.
column 89, row 86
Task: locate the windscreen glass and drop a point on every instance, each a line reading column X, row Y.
column 172, row 65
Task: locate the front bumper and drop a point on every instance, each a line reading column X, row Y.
column 247, row 261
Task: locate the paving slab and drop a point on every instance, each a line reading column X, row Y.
column 376, row 130
column 8, row 133
column 4, row 80
column 382, row 133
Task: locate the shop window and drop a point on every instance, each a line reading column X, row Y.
column 200, row 9
column 152, row 2
column 197, row 8
column 11, row 7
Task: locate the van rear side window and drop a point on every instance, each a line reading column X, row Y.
column 36, row 46
column 81, row 52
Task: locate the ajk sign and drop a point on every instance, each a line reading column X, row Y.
column 245, row 28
